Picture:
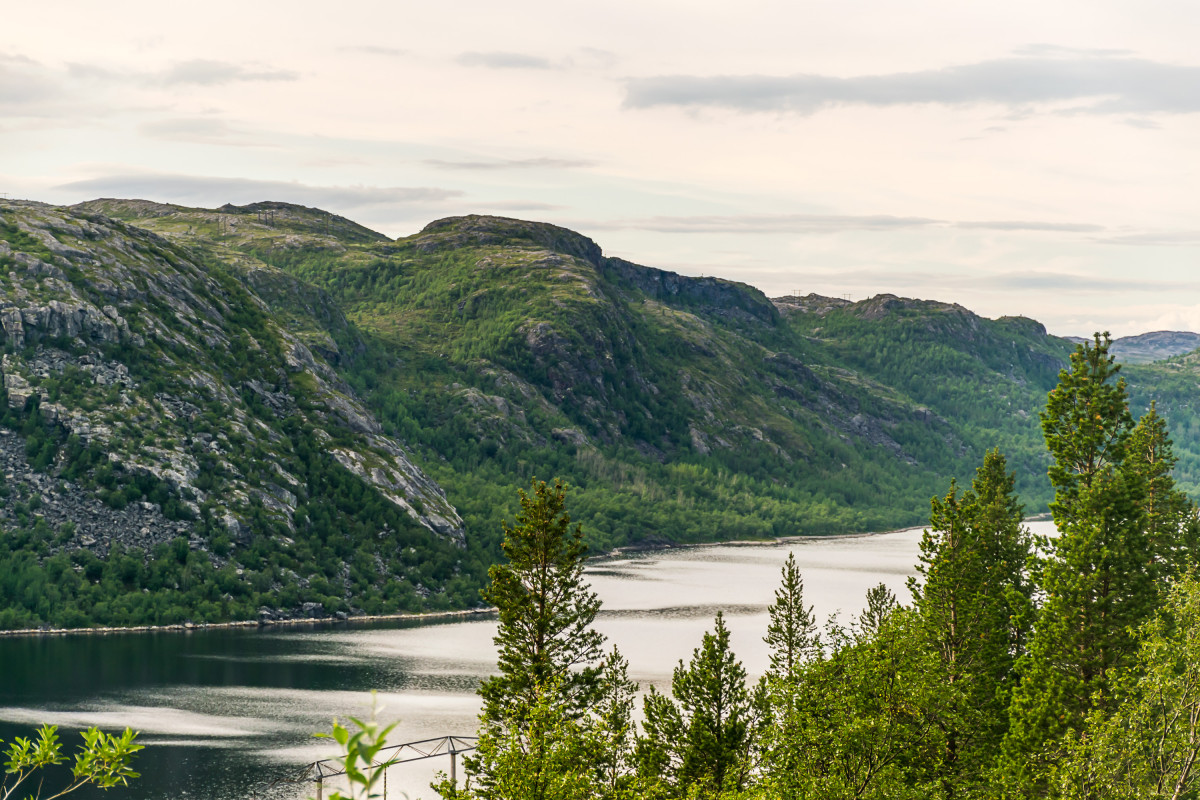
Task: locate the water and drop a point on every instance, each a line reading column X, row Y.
column 221, row 712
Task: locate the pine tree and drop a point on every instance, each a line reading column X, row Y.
column 700, row 740
column 614, row 728
column 1099, row 579
column 1170, row 517
column 881, row 601
column 546, row 613
column 974, row 606
column 792, row 632
column 1150, row 746
column 794, row 642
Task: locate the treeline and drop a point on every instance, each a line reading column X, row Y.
column 1066, row 667
column 349, row 549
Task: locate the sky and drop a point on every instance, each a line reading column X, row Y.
column 1018, row 158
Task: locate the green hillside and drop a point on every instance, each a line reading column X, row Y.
column 297, row 375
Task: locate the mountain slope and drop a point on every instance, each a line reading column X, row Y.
column 139, row 372
column 681, row 408
column 435, row 373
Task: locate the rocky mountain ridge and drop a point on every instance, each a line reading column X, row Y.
column 328, row 419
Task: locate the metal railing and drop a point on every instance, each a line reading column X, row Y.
column 319, row 771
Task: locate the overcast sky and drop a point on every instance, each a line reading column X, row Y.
column 1020, row 157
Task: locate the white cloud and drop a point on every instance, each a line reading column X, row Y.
column 213, row 191
column 1096, row 83
column 503, row 60
column 510, row 163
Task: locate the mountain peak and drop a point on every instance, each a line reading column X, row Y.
column 480, row 229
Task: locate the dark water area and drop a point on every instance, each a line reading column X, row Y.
column 224, row 712
column 154, row 682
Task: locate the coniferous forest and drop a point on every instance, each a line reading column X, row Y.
column 1066, row 667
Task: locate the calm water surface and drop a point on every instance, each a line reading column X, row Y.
column 223, row 711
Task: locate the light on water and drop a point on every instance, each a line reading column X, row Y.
column 224, row 711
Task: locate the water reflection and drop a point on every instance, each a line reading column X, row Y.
column 224, row 711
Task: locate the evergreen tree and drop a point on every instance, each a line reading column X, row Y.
column 550, row 756
column 794, row 641
column 615, row 732
column 974, row 606
column 1150, row 746
column 546, row 613
column 881, row 601
column 1099, row 579
column 1170, row 517
column 700, row 740
column 792, row 632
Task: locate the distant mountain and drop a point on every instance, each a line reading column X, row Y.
column 1148, row 347
column 1155, row 346
column 271, row 410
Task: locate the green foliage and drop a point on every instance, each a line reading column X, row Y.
column 103, row 760
column 1149, row 747
column 862, row 724
column 974, row 605
column 1171, row 523
column 360, row 749
column 554, row 723
column 546, row 613
column 549, row 757
column 792, row 632
column 1099, row 581
column 700, row 738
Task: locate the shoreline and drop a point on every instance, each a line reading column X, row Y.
column 615, row 553
column 189, row 627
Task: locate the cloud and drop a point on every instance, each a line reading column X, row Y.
column 1144, row 124
column 1098, row 83
column 1020, row 225
column 211, row 192
column 204, row 72
column 503, row 60
column 25, row 85
column 519, row 205
column 768, row 223
column 826, row 223
column 196, row 72
column 1078, row 284
column 197, row 130
column 1041, row 49
column 1154, row 239
column 511, row 163
column 374, row 50
column 1016, row 281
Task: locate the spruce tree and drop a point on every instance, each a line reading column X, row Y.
column 1170, row 517
column 700, row 740
column 794, row 642
column 546, row 612
column 974, row 606
column 792, row 632
column 1150, row 746
column 614, row 729
column 881, row 602
column 1098, row 580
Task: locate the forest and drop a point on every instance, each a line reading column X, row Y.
column 1063, row 667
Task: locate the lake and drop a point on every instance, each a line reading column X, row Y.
column 223, row 711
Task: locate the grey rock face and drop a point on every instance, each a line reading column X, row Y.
column 91, row 284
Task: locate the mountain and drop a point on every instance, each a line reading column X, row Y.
column 1149, row 347
column 298, row 415
column 1156, row 346
column 160, row 407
